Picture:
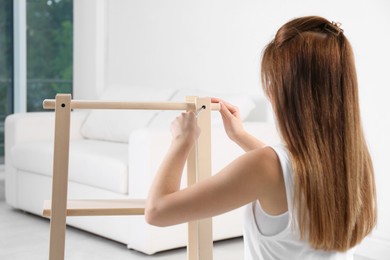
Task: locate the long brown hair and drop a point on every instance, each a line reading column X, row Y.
column 308, row 72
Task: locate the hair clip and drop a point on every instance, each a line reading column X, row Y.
column 334, row 28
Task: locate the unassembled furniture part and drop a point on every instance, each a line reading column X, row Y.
column 200, row 242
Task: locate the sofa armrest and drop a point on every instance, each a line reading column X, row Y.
column 38, row 126
column 148, row 146
column 31, row 127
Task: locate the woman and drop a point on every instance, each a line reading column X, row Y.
column 312, row 197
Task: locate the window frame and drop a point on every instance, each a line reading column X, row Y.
column 20, row 57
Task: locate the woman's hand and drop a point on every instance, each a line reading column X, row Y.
column 234, row 127
column 185, row 129
column 231, row 119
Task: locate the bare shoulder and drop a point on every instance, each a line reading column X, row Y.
column 266, row 155
column 266, row 159
column 268, row 170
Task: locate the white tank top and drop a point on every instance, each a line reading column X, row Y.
column 276, row 237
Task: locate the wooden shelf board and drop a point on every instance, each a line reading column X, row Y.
column 100, row 207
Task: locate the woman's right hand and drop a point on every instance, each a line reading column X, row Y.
column 231, row 119
column 185, row 128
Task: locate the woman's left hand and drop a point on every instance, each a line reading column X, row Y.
column 185, row 128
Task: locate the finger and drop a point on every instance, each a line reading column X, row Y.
column 228, row 105
column 188, row 114
column 215, row 100
column 191, row 114
column 225, row 111
column 233, row 109
column 218, row 100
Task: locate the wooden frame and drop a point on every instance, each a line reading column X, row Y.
column 200, row 241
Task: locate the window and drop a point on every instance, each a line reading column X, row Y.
column 49, row 50
column 49, row 36
column 6, row 67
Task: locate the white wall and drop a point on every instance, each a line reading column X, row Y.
column 184, row 44
column 217, row 43
column 89, row 50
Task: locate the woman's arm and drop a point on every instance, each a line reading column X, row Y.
column 255, row 174
column 234, row 128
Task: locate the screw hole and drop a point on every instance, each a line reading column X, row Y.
column 203, row 107
column 62, row 105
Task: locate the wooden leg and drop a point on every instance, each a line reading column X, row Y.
column 205, row 227
column 60, row 177
column 193, row 239
column 200, row 237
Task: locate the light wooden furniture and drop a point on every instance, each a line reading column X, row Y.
column 200, row 242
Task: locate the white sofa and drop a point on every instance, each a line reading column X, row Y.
column 114, row 155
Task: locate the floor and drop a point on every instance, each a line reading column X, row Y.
column 25, row 236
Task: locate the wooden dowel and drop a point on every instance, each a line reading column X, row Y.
column 91, row 104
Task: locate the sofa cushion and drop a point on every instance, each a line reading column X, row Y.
column 99, row 164
column 116, row 125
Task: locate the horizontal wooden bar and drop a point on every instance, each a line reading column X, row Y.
column 93, row 104
column 100, row 207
